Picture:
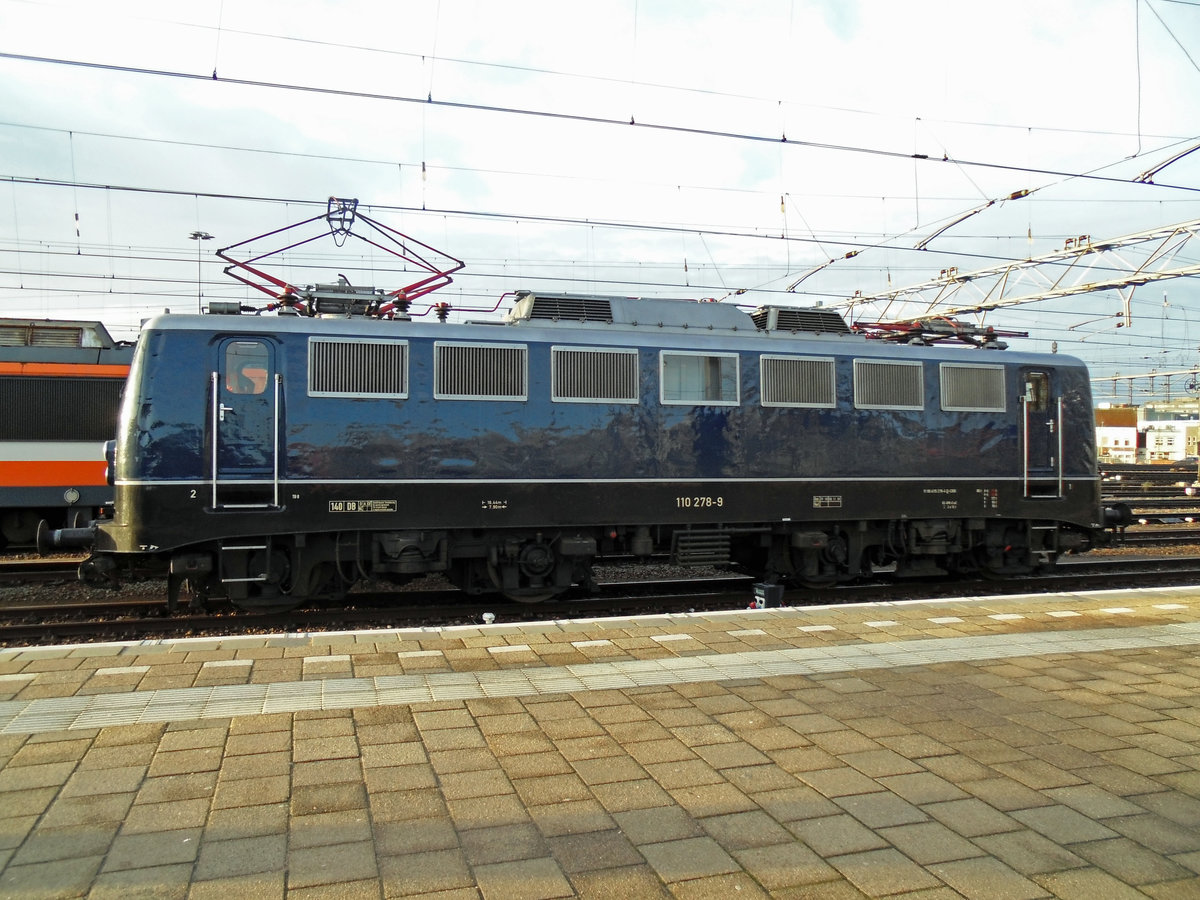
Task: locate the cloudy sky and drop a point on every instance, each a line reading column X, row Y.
column 677, row 148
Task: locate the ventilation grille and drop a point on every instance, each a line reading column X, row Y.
column 40, row 336
column 59, row 409
column 797, row 381
column 888, row 385
column 972, row 388
column 357, row 368
column 603, row 376
column 787, row 318
column 480, row 372
column 576, row 309
column 700, row 548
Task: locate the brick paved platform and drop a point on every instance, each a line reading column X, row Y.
column 1010, row 747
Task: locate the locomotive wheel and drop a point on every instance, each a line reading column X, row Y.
column 1005, row 555
column 531, row 595
column 530, row 578
column 816, row 584
column 268, row 596
column 821, row 568
column 1003, row 573
column 261, row 604
column 538, row 594
column 19, row 526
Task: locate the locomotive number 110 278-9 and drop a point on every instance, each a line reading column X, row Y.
column 700, row 502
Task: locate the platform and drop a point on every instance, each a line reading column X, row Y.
column 1006, row 747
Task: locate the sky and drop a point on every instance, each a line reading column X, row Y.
column 660, row 148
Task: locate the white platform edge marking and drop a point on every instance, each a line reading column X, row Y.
column 224, row 701
column 315, row 638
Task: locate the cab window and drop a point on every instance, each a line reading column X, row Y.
column 1037, row 391
column 246, row 367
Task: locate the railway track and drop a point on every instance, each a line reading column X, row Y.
column 1162, row 536
column 37, row 570
column 143, row 616
column 139, row 617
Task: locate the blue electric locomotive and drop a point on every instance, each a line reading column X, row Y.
column 276, row 460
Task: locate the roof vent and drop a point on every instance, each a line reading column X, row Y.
column 566, row 307
column 789, row 318
column 25, row 333
column 570, row 310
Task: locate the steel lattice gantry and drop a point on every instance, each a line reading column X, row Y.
column 1083, row 265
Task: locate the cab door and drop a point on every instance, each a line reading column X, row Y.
column 245, row 393
column 1041, row 434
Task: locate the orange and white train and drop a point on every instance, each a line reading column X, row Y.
column 60, row 389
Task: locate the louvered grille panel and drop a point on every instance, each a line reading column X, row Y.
column 480, row 371
column 968, row 388
column 59, row 409
column 888, row 385
column 595, row 375
column 580, row 309
column 40, row 336
column 797, row 381
column 364, row 368
column 787, row 318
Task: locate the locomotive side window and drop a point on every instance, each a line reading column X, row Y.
column 587, row 375
column 798, row 381
column 709, row 379
column 888, row 385
column 967, row 388
column 246, row 367
column 480, row 371
column 1037, row 391
column 357, row 368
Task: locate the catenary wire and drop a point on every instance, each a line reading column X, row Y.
column 660, row 127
